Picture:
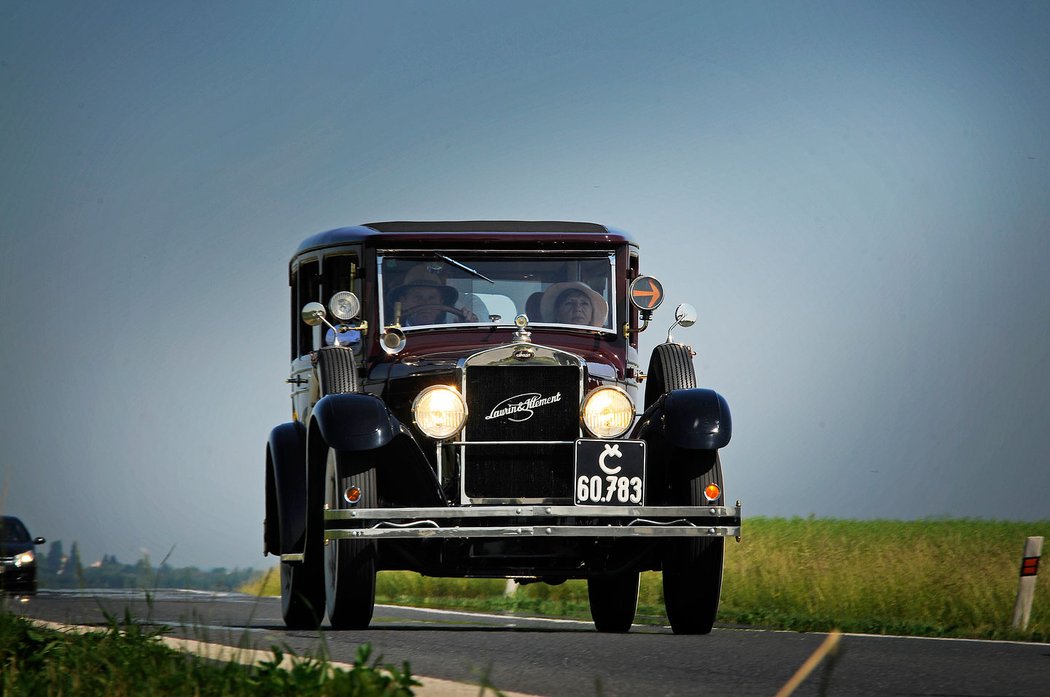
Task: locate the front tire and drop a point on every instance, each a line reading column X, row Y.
column 614, row 601
column 302, row 594
column 692, row 568
column 350, row 565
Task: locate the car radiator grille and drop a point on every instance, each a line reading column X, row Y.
column 520, row 403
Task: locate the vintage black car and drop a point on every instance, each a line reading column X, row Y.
column 466, row 407
column 17, row 557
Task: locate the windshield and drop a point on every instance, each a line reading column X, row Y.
column 434, row 289
column 12, row 530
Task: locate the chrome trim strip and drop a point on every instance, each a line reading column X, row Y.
column 573, row 327
column 504, row 353
column 513, row 442
column 292, row 557
column 529, row 511
column 539, row 531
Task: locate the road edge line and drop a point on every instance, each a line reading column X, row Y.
column 431, row 687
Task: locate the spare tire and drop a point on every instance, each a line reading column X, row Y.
column 670, row 368
column 338, row 370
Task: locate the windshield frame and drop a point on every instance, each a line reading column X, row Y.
column 478, row 257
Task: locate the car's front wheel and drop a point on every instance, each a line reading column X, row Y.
column 692, row 567
column 302, row 594
column 614, row 600
column 350, row 565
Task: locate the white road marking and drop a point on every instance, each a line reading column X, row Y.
column 431, row 687
column 242, row 597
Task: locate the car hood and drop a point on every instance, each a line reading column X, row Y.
column 10, row 549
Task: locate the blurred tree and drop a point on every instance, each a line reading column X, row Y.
column 110, row 573
column 55, row 559
column 74, row 564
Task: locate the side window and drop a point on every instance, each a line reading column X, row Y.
column 341, row 272
column 306, row 287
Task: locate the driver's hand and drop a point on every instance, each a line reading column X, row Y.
column 467, row 315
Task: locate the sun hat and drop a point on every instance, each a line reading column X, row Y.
column 599, row 308
column 421, row 276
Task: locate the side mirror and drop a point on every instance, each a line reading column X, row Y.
column 39, row 541
column 313, row 313
column 684, row 316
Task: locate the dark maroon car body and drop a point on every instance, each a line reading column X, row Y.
column 504, row 495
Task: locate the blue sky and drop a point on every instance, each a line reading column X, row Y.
column 856, row 197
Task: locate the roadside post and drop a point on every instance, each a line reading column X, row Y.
column 1033, row 548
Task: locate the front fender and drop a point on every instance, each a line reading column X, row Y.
column 693, row 419
column 351, row 422
column 285, row 488
column 362, row 424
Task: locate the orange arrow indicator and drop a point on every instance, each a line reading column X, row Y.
column 646, row 293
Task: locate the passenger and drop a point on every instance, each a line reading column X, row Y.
column 426, row 299
column 573, row 302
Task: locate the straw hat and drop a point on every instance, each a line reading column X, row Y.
column 421, row 276
column 599, row 308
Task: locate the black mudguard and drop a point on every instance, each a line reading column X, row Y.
column 693, row 419
column 352, row 422
column 357, row 423
column 285, row 489
column 363, row 424
column 406, row 478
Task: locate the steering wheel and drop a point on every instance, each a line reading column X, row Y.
column 462, row 313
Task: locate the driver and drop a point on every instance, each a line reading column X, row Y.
column 425, row 299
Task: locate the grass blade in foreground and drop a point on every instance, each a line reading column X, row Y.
column 129, row 660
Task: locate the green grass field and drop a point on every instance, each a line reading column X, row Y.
column 930, row 578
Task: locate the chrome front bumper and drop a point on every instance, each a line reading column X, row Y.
column 534, row 521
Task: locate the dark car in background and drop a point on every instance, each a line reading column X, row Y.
column 467, row 401
column 17, row 557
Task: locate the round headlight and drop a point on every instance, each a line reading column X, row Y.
column 25, row 558
column 608, row 412
column 439, row 411
column 344, row 305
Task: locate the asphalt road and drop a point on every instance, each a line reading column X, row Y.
column 559, row 657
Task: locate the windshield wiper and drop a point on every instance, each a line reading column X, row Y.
column 464, row 267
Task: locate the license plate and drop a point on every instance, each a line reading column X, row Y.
column 609, row 473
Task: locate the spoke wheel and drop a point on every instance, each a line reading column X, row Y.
column 350, row 565
column 614, row 600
